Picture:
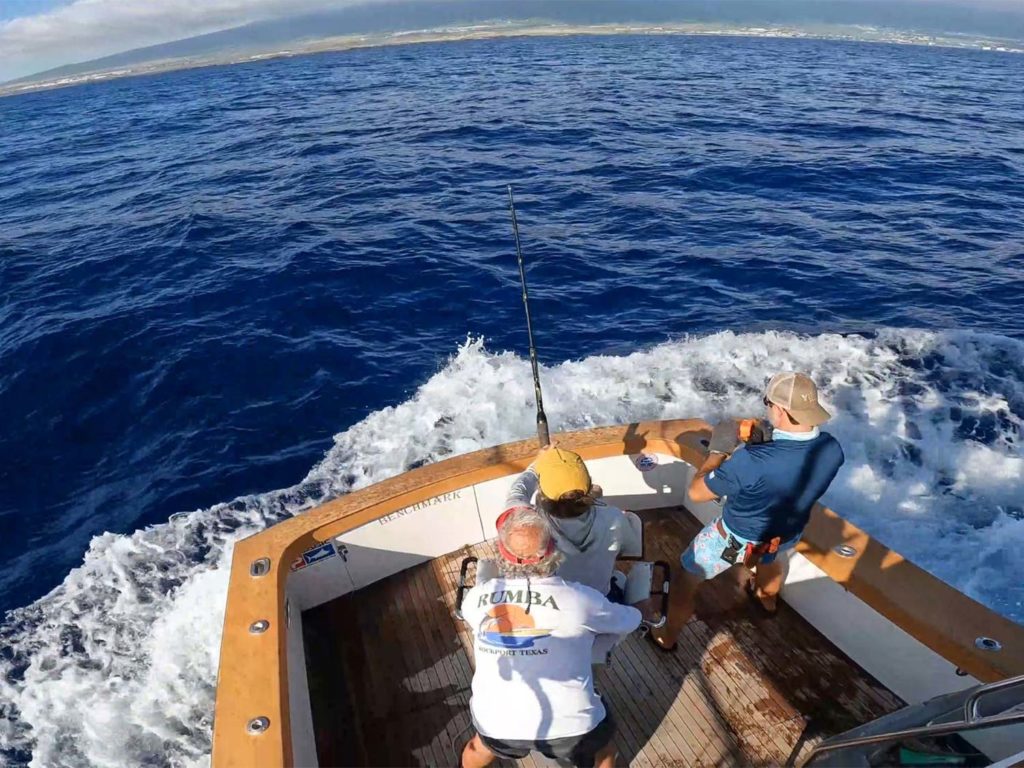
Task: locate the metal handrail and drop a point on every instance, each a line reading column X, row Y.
column 971, row 707
column 971, row 721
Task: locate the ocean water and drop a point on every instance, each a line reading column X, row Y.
column 229, row 294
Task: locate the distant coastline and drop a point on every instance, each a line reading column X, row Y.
column 862, row 34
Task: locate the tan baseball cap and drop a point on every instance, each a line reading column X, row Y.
column 796, row 394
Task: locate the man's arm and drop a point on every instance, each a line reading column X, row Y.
column 632, row 535
column 523, row 488
column 699, row 491
column 607, row 618
column 725, row 438
column 471, row 607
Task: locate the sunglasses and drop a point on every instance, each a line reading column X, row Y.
column 768, row 404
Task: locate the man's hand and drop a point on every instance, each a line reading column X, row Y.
column 760, row 432
column 725, row 437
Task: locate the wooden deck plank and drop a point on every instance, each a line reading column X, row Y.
column 413, row 717
column 432, row 665
column 679, row 729
column 689, row 703
column 402, row 686
column 675, row 741
column 418, row 678
column 628, row 737
column 455, row 660
column 740, row 689
column 664, row 745
column 729, row 692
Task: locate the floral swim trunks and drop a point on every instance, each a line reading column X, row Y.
column 704, row 555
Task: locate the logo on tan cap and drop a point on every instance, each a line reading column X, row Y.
column 796, row 394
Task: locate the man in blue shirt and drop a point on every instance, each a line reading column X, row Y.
column 770, row 489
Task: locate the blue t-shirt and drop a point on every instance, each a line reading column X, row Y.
column 773, row 486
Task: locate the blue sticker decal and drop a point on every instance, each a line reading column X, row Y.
column 645, row 462
column 315, row 555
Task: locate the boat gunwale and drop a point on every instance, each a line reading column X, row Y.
column 253, row 672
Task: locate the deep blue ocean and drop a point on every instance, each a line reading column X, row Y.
column 229, row 293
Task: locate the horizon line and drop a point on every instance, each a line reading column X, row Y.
column 510, row 29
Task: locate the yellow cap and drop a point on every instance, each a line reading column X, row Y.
column 561, row 472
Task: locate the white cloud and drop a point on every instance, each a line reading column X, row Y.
column 86, row 29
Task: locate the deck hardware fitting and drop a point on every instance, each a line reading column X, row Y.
column 257, row 725
column 844, row 550
column 987, row 644
column 259, row 626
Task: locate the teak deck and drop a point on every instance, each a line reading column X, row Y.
column 390, row 670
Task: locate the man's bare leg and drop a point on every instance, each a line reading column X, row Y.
column 475, row 754
column 768, row 583
column 605, row 757
column 682, row 600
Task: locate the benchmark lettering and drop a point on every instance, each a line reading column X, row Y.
column 444, row 497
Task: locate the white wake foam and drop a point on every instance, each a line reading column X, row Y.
column 117, row 666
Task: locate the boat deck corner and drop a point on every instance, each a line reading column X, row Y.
column 390, row 670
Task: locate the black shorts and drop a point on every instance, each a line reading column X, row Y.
column 570, row 750
column 616, row 594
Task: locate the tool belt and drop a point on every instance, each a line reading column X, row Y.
column 749, row 554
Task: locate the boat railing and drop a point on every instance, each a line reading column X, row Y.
column 971, row 720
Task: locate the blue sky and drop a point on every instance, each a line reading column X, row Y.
column 40, row 34
column 12, row 9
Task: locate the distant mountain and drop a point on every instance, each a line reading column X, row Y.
column 999, row 20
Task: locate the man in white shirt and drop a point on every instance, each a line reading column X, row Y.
column 589, row 533
column 533, row 688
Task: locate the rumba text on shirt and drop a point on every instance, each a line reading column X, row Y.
column 520, row 596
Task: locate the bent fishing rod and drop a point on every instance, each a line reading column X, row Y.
column 542, row 421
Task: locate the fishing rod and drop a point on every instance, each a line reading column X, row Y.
column 542, row 421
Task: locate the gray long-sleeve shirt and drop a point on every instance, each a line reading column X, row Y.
column 590, row 543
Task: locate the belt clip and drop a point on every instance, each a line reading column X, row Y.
column 751, row 555
column 731, row 552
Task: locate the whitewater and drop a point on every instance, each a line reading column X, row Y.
column 118, row 665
